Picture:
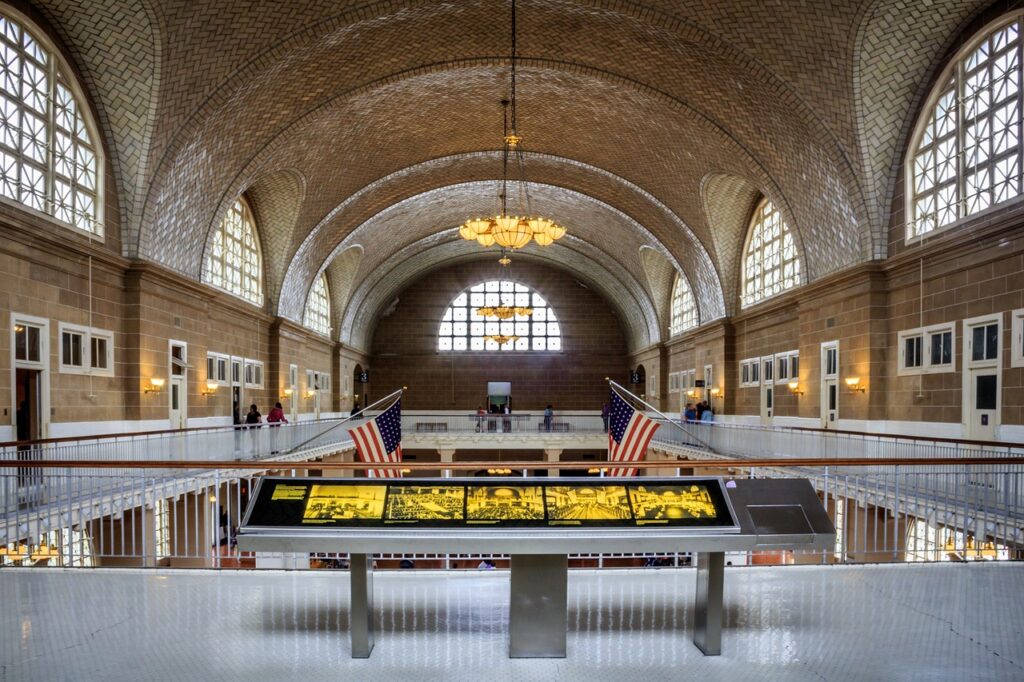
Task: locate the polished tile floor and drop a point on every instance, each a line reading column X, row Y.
column 902, row 622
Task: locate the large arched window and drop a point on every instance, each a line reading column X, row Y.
column 684, row 308
column 233, row 261
column 967, row 144
column 463, row 328
column 49, row 154
column 770, row 261
column 318, row 307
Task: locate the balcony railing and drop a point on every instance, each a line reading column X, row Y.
column 154, row 513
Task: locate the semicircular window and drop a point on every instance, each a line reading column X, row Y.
column 233, row 260
column 49, row 148
column 771, row 263
column 499, row 316
column 967, row 146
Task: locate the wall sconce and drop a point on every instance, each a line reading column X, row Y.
column 691, row 393
column 156, row 385
column 794, row 388
column 211, row 387
column 716, row 392
column 286, row 394
column 853, row 383
column 309, row 393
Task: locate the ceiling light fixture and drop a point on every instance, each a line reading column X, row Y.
column 501, row 311
column 512, row 231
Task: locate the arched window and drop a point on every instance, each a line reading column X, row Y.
column 770, row 261
column 233, row 261
column 463, row 328
column 967, row 144
column 318, row 307
column 49, row 154
column 684, row 308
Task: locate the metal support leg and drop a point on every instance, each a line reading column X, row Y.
column 361, row 609
column 538, row 606
column 708, row 614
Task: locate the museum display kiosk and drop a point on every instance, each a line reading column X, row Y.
column 538, row 522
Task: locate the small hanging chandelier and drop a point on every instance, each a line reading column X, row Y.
column 502, row 311
column 512, row 231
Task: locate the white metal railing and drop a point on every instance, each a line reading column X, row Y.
column 519, row 423
column 149, row 517
column 776, row 442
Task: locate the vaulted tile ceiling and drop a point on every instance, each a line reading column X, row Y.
column 368, row 131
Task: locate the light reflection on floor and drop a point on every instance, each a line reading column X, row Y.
column 836, row 623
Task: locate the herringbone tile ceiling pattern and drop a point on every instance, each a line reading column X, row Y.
column 654, row 122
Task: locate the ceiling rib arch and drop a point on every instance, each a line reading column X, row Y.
column 624, row 294
column 638, row 207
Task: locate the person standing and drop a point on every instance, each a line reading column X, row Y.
column 708, row 415
column 690, row 413
column 275, row 419
column 506, row 421
column 480, row 414
column 253, row 421
column 355, row 410
column 548, row 416
column 604, row 416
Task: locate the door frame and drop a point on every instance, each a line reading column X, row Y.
column 767, row 412
column 971, row 367
column 172, row 379
column 827, row 380
column 43, row 366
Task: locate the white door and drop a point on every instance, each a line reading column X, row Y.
column 982, row 376
column 30, row 374
column 177, row 395
column 293, row 395
column 178, row 384
column 830, row 385
column 767, row 389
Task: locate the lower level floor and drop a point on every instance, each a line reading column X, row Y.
column 871, row 622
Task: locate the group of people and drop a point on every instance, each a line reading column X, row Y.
column 254, row 420
column 482, row 423
column 700, row 412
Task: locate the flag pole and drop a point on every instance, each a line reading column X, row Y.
column 622, row 389
column 357, row 415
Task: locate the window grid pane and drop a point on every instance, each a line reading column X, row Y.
column 463, row 329
column 968, row 157
column 318, row 307
column 233, row 261
column 48, row 159
column 771, row 264
column 684, row 308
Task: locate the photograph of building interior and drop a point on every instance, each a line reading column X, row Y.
column 789, row 233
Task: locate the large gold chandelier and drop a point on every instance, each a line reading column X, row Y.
column 512, row 231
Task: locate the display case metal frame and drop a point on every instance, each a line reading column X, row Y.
column 769, row 514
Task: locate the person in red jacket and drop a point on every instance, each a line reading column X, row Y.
column 275, row 419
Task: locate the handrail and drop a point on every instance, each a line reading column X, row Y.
column 131, row 434
column 959, row 441
column 531, row 464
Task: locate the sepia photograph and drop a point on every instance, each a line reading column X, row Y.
column 504, row 503
column 587, row 503
column 666, row 503
column 341, row 502
column 425, row 503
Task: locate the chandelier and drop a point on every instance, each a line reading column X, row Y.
column 512, row 231
column 502, row 311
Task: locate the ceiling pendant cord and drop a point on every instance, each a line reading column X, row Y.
column 504, row 159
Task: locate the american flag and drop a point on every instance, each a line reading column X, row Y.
column 380, row 440
column 629, row 433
